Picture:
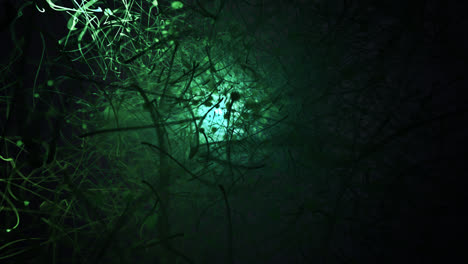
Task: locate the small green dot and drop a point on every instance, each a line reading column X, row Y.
column 19, row 143
column 8, row 230
column 84, row 126
column 155, row 3
column 26, row 203
column 36, row 95
column 50, row 82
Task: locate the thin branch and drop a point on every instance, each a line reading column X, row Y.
column 230, row 259
column 110, row 130
column 208, row 183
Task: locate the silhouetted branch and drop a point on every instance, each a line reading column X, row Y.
column 229, row 226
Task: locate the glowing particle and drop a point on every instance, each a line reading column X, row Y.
column 50, row 82
column 177, row 5
column 99, row 10
column 19, row 143
column 26, row 203
column 36, row 95
column 84, row 126
column 8, row 230
column 39, row 9
column 72, row 23
column 155, row 3
column 108, row 12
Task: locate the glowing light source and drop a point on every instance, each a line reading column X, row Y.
column 177, row 5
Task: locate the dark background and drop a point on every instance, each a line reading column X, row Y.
column 417, row 142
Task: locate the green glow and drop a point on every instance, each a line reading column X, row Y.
column 170, row 85
column 7, row 159
column 39, row 9
column 108, row 12
column 181, row 99
column 215, row 119
column 13, row 208
column 72, row 23
column 57, row 7
column 177, row 5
